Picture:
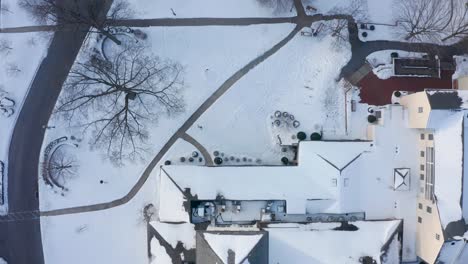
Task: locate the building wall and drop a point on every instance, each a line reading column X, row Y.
column 462, row 83
column 429, row 233
column 414, row 103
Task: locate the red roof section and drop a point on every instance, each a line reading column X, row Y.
column 375, row 91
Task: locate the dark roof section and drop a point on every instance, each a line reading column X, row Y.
column 444, row 99
column 205, row 254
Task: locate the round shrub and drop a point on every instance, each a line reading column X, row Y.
column 167, row 162
column 364, row 34
column 394, row 55
column 301, row 135
column 182, row 159
column 371, row 118
column 372, row 27
column 397, row 93
column 218, row 161
column 285, row 160
column 316, row 136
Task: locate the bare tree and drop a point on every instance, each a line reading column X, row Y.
column 12, row 69
column 5, row 46
column 356, row 10
column 78, row 13
column 62, row 166
column 433, row 20
column 279, row 6
column 4, row 8
column 458, row 27
column 117, row 98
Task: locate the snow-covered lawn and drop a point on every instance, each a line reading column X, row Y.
column 209, row 55
column 13, row 15
column 207, row 8
column 115, row 235
column 18, row 64
column 301, row 78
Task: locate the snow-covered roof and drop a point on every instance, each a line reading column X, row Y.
column 316, row 244
column 312, row 179
column 448, row 163
column 455, row 252
column 240, row 244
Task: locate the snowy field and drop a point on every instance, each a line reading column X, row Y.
column 209, row 56
column 115, row 235
column 207, row 8
column 18, row 65
column 301, row 78
column 13, row 15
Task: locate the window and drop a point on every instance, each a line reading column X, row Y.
column 428, row 209
column 437, row 236
column 420, row 206
column 334, row 182
column 419, row 219
column 421, row 153
column 421, row 176
column 430, row 137
column 429, row 194
column 346, row 182
column 420, row 109
column 421, row 167
column 422, row 136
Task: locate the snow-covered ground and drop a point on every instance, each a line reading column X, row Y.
column 209, row 55
column 301, row 78
column 115, row 235
column 13, row 15
column 17, row 68
column 207, row 8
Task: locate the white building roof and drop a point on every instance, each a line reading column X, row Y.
column 448, row 162
column 320, row 243
column 312, row 179
column 241, row 244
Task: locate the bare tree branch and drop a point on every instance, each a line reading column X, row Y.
column 433, row 20
column 116, row 99
column 78, row 13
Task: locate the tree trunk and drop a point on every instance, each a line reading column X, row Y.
column 110, row 36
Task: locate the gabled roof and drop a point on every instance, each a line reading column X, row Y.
column 232, row 247
column 319, row 164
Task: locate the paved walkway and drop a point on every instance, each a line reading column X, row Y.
column 206, row 155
